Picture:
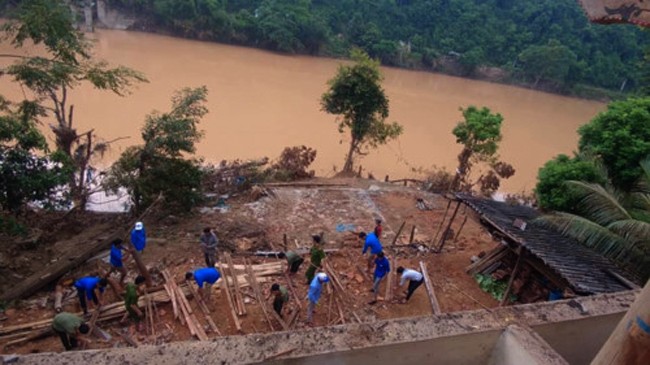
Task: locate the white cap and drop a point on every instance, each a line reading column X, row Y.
column 322, row 277
column 139, row 226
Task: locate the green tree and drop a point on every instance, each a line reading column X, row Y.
column 552, row 191
column 550, row 62
column 615, row 224
column 356, row 95
column 480, row 134
column 66, row 64
column 620, row 138
column 159, row 166
column 28, row 173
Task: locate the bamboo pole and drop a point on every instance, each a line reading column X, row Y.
column 460, row 229
column 442, row 222
column 296, row 299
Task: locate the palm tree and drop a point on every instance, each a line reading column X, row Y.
column 613, row 223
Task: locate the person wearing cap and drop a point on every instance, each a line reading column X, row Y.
column 209, row 244
column 116, row 259
column 317, row 256
column 139, row 237
column 69, row 327
column 281, row 296
column 382, row 267
column 378, row 228
column 315, row 291
column 370, row 242
column 86, row 289
column 207, row 276
column 415, row 279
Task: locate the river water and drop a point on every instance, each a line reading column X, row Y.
column 260, row 102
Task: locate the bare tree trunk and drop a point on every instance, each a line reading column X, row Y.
column 349, row 159
column 463, row 169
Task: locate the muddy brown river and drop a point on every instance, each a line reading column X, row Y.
column 260, row 102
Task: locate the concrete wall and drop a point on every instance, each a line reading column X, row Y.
column 469, row 349
column 578, row 341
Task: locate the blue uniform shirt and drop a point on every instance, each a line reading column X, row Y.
column 373, row 242
column 88, row 284
column 139, row 239
column 382, row 267
column 315, row 289
column 116, row 256
column 207, row 275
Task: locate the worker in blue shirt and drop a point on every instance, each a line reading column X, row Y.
column 315, row 290
column 86, row 289
column 139, row 237
column 382, row 267
column 370, row 241
column 117, row 257
column 207, row 276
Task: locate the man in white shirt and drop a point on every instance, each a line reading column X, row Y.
column 415, row 279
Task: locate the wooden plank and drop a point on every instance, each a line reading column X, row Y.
column 171, row 296
column 224, row 284
column 280, row 320
column 258, row 294
column 200, row 332
column 514, row 273
column 472, row 269
column 435, row 307
column 238, row 298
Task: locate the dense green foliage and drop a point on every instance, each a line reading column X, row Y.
column 160, row 165
column 552, row 191
column 434, row 34
column 616, row 224
column 65, row 64
column 480, row 134
column 620, row 137
column 28, row 173
column 356, row 95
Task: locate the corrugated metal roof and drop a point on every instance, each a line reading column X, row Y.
column 584, row 269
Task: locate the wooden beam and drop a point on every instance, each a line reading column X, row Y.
column 435, row 307
column 239, row 301
column 280, row 320
column 412, row 235
column 473, row 268
column 295, row 296
column 515, row 271
column 460, row 229
column 258, row 293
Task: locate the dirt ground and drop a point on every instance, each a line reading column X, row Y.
column 338, row 209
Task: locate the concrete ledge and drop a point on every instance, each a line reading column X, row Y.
column 344, row 339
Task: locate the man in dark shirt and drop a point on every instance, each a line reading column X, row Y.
column 281, row 296
column 69, row 327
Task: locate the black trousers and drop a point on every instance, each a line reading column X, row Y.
column 82, row 299
column 69, row 342
column 412, row 286
column 277, row 306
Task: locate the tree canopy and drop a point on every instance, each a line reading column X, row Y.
column 66, row 64
column 159, row 166
column 429, row 34
column 356, row 95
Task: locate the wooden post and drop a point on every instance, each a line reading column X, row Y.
column 506, row 294
column 389, row 281
column 412, row 234
column 460, row 229
column 444, row 217
column 285, row 241
column 399, row 231
column 293, row 291
column 629, row 343
column 444, row 233
column 435, row 307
